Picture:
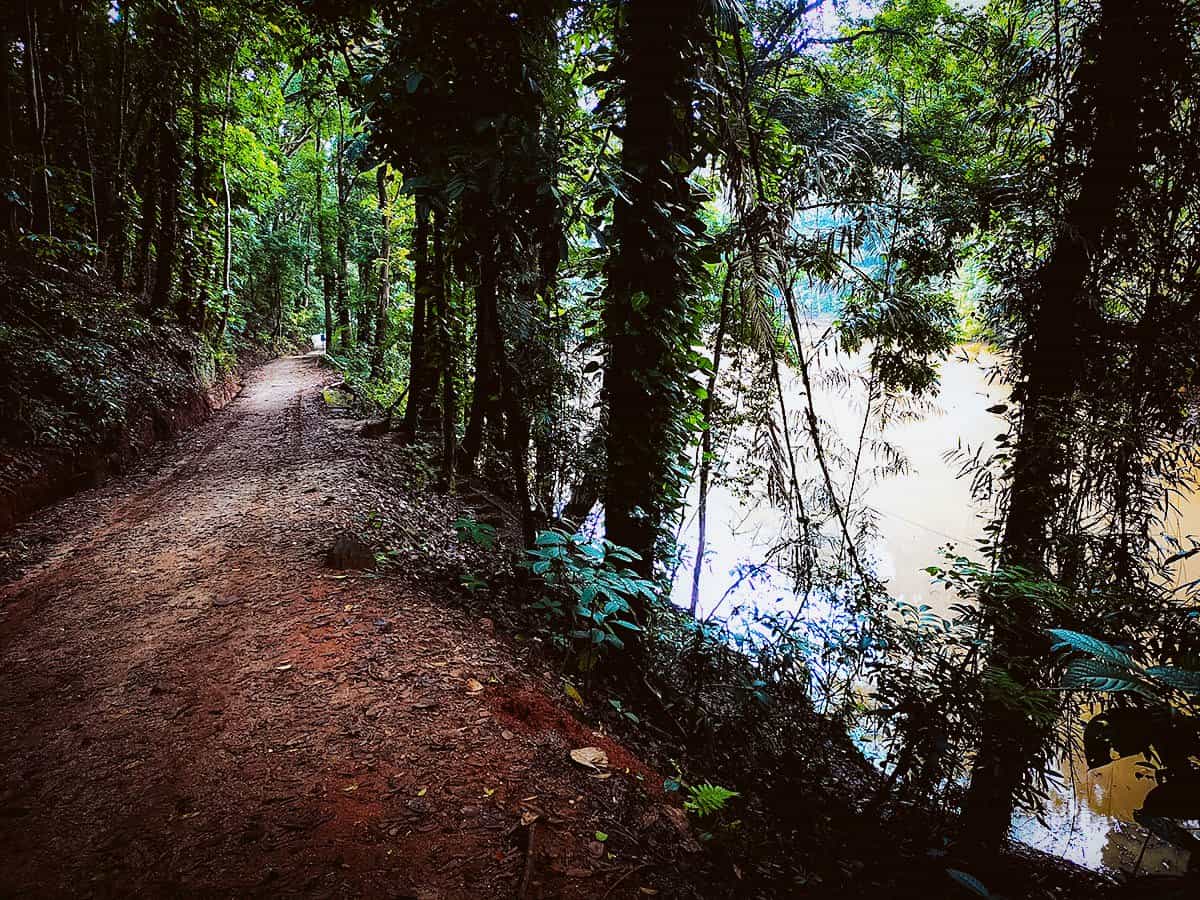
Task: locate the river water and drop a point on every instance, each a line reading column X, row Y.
column 1090, row 820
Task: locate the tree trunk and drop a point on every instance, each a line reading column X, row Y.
column 647, row 321
column 327, row 286
column 447, row 344
column 345, row 335
column 486, row 393
column 36, row 89
column 1114, row 93
column 115, row 187
column 8, row 138
column 227, row 224
column 368, row 288
column 422, row 292
column 190, row 303
column 148, row 194
column 168, row 225
column 385, row 274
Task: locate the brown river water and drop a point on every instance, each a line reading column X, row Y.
column 1090, row 819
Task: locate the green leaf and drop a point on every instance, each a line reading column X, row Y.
column 601, row 836
column 1092, row 646
column 706, row 799
column 1098, row 675
column 1174, row 677
column 970, row 882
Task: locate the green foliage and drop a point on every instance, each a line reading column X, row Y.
column 590, row 585
column 1091, row 646
column 707, row 799
column 624, row 713
column 1163, row 727
column 472, row 531
column 79, row 365
column 1100, row 675
column 1103, row 668
column 904, row 188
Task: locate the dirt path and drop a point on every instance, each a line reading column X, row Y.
column 190, row 703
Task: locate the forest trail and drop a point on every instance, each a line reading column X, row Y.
column 192, row 703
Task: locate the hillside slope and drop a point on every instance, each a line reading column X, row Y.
column 88, row 381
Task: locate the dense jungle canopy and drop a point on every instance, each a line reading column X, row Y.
column 602, row 258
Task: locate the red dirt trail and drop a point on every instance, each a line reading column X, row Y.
column 192, row 704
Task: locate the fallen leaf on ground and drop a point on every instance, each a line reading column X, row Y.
column 590, row 757
column 473, row 686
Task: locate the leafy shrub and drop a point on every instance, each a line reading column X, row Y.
column 472, row 531
column 589, row 585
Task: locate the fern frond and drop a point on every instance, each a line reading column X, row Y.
column 707, row 799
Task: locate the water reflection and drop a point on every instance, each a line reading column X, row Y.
column 1091, row 820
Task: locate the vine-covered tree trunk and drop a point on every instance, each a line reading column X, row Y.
column 647, row 320
column 1114, row 94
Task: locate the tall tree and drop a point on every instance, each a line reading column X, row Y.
column 648, row 319
column 1122, row 99
column 385, row 272
column 324, row 254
